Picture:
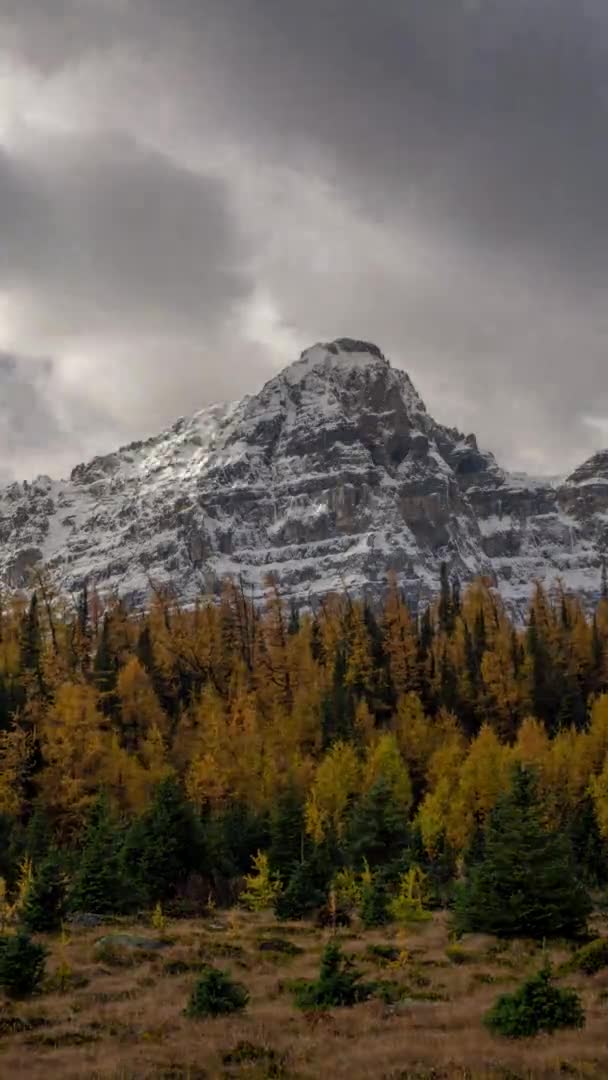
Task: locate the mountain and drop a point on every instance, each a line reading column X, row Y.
column 330, row 477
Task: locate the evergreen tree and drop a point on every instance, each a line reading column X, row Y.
column 45, row 902
column 588, row 846
column 38, row 834
column 233, row 836
column 105, row 667
column 338, row 707
column 445, row 610
column 378, row 829
column 572, row 711
column 456, row 600
column 526, row 884
column 98, row 886
column 308, row 885
column 287, row 833
column 30, row 642
column 165, row 845
column 374, row 903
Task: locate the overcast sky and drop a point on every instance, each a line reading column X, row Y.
column 192, row 191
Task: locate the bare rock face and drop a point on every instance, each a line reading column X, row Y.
column 329, row 478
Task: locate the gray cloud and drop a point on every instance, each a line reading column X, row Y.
column 429, row 174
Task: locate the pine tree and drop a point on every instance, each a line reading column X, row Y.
column 526, row 883
column 98, row 886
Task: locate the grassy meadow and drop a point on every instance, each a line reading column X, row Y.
column 115, row 1013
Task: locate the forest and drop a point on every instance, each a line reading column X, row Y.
column 202, row 808
column 162, row 756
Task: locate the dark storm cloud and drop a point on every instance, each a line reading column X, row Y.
column 36, row 426
column 111, row 231
column 447, row 164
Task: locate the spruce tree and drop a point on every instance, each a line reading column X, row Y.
column 378, row 829
column 45, row 902
column 588, row 845
column 105, row 667
column 38, row 834
column 30, row 641
column 445, row 610
column 308, row 885
column 165, row 845
column 374, row 903
column 287, row 833
column 526, row 882
column 97, row 886
column 232, row 837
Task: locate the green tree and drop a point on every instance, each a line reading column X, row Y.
column 165, row 845
column 45, row 902
column 98, row 885
column 526, row 883
column 38, row 834
column 588, row 846
column 30, row 640
column 538, row 1005
column 288, row 841
column 22, row 964
column 216, row 994
column 378, row 828
column 307, row 887
column 339, row 983
column 374, row 902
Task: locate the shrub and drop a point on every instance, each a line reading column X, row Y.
column 408, row 906
column 261, row 887
column 338, row 983
column 22, row 963
column 383, row 954
column 538, row 1005
column 215, row 994
column 457, row 955
column 591, row 958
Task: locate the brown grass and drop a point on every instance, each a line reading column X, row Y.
column 127, row 1022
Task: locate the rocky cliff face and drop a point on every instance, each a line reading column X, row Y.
column 329, row 478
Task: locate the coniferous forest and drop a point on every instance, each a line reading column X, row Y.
column 149, row 757
column 405, row 809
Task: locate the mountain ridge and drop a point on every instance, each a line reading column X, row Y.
column 333, row 476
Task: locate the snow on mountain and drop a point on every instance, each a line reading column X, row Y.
column 330, row 477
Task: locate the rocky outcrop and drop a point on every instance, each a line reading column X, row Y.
column 329, row 478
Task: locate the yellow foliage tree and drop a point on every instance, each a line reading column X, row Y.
column 336, row 781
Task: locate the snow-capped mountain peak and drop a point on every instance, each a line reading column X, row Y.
column 332, row 476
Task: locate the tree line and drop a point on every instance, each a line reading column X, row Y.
column 146, row 756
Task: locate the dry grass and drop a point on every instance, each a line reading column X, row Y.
column 127, row 1022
